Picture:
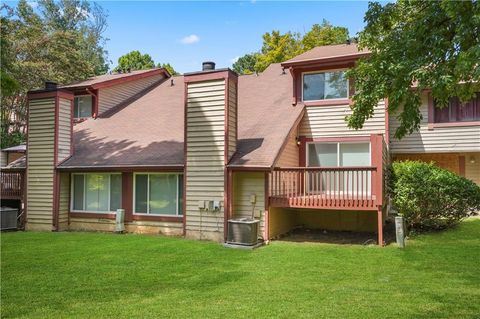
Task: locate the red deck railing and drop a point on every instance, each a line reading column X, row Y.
column 11, row 184
column 326, row 187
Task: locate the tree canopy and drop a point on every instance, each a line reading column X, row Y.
column 246, row 63
column 168, row 67
column 58, row 40
column 416, row 46
column 135, row 60
column 278, row 47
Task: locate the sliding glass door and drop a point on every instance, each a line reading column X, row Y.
column 333, row 155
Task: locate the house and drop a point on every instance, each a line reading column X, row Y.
column 11, row 154
column 184, row 154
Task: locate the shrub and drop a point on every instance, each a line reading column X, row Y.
column 430, row 197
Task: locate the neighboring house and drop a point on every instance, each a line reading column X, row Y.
column 184, row 154
column 11, row 154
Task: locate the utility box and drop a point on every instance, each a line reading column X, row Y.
column 243, row 231
column 120, row 221
column 8, row 218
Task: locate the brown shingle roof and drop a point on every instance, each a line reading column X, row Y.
column 112, row 78
column 327, row 52
column 149, row 131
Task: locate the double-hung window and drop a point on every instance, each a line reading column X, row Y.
column 158, row 194
column 96, row 192
column 455, row 111
column 82, row 106
column 325, row 85
column 341, row 155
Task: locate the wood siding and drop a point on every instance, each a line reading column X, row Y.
column 472, row 170
column 290, row 154
column 205, row 135
column 64, row 129
column 246, row 184
column 40, row 169
column 444, row 139
column 112, row 96
column 232, row 118
column 64, row 201
column 329, row 121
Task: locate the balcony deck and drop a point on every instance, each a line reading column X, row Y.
column 12, row 184
column 345, row 188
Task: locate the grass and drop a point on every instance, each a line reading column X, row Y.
column 58, row 275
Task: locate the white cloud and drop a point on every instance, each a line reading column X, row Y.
column 190, row 39
column 235, row 59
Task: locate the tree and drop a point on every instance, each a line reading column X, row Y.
column 246, row 63
column 277, row 47
column 60, row 41
column 168, row 67
column 415, row 46
column 324, row 34
column 135, row 60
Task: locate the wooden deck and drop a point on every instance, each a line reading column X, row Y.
column 346, row 188
column 325, row 201
column 12, row 184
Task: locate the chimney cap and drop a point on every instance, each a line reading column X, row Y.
column 208, row 66
column 50, row 85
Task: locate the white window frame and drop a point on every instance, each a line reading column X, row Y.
column 328, row 71
column 338, row 150
column 72, row 191
column 179, row 175
column 91, row 110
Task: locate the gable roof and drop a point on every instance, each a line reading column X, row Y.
column 106, row 80
column 327, row 52
column 149, row 132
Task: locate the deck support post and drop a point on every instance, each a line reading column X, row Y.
column 380, row 225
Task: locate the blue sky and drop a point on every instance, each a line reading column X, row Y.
column 217, row 31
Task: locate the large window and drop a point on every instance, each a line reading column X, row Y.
column 325, row 86
column 94, row 192
column 159, row 194
column 458, row 112
column 82, row 106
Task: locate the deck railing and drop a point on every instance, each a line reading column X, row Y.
column 325, row 187
column 11, row 184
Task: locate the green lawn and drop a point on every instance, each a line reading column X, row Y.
column 46, row 275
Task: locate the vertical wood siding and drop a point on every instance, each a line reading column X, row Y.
column 472, row 170
column 232, row 118
column 112, row 96
column 205, row 123
column 329, row 121
column 40, row 156
column 290, row 154
column 246, row 184
column 64, row 198
column 445, row 139
column 64, row 130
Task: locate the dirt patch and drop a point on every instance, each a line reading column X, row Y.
column 339, row 237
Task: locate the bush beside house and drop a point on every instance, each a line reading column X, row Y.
column 430, row 197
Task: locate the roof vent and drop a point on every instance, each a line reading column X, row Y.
column 208, row 66
column 50, row 85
